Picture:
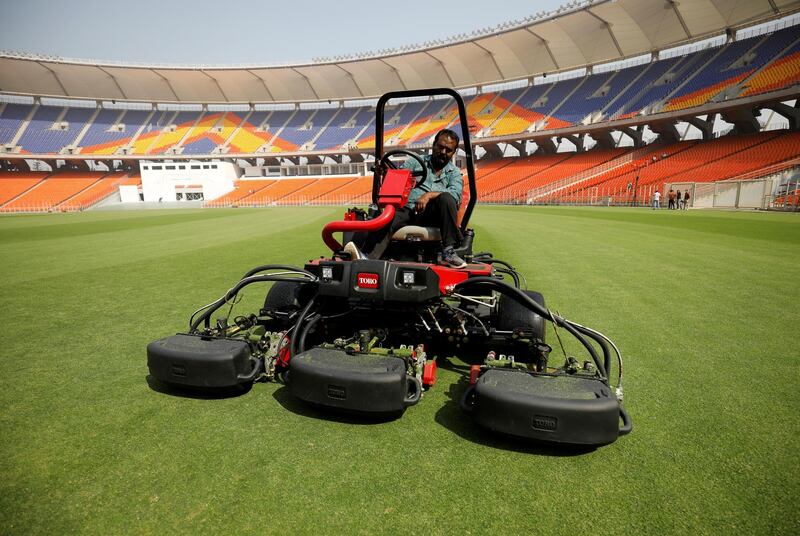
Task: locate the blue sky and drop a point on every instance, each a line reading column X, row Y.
column 239, row 31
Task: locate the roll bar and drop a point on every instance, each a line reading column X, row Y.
column 462, row 112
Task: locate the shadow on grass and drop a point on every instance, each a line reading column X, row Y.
column 452, row 417
column 306, row 409
column 197, row 393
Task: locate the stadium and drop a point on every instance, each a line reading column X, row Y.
column 579, row 106
column 132, row 193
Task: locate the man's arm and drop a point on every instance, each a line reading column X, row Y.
column 410, row 164
column 455, row 185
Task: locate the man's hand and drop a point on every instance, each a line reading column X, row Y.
column 422, row 202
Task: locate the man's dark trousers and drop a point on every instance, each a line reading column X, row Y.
column 441, row 212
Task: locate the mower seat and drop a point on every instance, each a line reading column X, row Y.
column 415, row 233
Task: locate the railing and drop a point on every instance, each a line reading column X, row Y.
column 766, row 172
column 593, row 196
column 574, row 180
column 325, row 200
column 43, row 207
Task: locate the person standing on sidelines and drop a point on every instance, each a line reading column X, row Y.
column 685, row 202
column 678, row 199
column 656, row 200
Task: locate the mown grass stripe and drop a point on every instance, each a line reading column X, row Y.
column 704, row 315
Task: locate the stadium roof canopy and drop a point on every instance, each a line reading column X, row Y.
column 574, row 36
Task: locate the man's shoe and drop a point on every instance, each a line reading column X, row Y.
column 355, row 253
column 451, row 258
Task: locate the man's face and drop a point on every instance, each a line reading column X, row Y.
column 443, row 150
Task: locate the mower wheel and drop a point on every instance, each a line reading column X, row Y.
column 513, row 315
column 286, row 296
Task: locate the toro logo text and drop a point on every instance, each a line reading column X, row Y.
column 367, row 280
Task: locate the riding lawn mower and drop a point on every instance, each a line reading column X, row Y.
column 364, row 336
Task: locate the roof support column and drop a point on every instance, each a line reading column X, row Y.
column 744, row 120
column 792, row 114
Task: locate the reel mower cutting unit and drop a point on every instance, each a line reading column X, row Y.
column 364, row 335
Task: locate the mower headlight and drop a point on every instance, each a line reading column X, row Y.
column 408, row 278
column 327, row 272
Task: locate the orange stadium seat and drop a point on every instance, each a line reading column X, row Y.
column 701, row 96
column 169, row 139
column 212, row 131
column 690, row 161
column 98, row 191
column 13, row 184
column 241, row 189
column 316, row 192
column 275, row 192
column 489, row 186
column 785, row 72
column 54, row 190
column 358, row 191
column 572, row 165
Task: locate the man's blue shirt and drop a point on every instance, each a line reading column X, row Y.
column 448, row 180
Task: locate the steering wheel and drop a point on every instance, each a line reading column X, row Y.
column 421, row 173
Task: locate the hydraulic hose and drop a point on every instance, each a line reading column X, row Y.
column 487, row 258
column 599, row 340
column 511, row 273
column 298, row 326
column 283, row 267
column 209, row 309
column 523, row 299
column 616, row 352
column 301, row 343
column 627, row 423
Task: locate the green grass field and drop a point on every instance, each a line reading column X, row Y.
column 704, row 306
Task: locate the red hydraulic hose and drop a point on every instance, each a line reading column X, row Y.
column 380, row 222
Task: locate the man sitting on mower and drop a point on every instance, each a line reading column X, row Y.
column 434, row 203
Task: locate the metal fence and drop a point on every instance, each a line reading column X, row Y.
column 752, row 194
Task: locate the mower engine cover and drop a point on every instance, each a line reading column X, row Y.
column 377, row 280
column 564, row 409
column 200, row 362
column 361, row 383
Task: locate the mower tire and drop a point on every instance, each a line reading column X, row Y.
column 286, row 296
column 513, row 315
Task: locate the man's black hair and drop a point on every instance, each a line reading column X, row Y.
column 449, row 133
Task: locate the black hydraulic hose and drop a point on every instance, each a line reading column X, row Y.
column 206, row 315
column 627, row 423
column 492, row 260
column 301, row 343
column 513, row 275
column 602, row 342
column 298, row 326
column 510, row 270
column 524, row 299
column 284, row 267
